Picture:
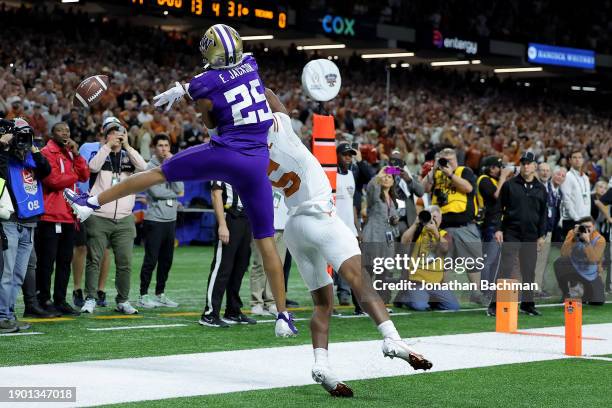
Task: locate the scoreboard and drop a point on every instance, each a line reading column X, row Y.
column 260, row 12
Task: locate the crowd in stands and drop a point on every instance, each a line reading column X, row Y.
column 427, row 109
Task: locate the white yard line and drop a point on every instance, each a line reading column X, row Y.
column 150, row 378
column 26, row 333
column 149, row 326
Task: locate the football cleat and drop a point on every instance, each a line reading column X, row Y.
column 399, row 348
column 325, row 376
column 284, row 326
column 81, row 208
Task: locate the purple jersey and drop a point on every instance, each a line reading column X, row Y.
column 240, row 109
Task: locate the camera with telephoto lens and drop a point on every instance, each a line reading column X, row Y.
column 581, row 230
column 442, row 162
column 399, row 163
column 424, row 217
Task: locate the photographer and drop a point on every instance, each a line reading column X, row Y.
column 23, row 167
column 523, row 222
column 576, row 193
column 56, row 230
column 453, row 188
column 581, row 261
column 489, row 185
column 113, row 223
column 430, row 243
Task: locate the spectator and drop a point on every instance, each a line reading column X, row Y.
column 488, row 187
column 346, row 210
column 113, row 223
column 23, row 167
column 56, row 229
column 431, row 243
column 453, row 188
column 576, row 193
column 38, row 122
column 603, row 224
column 522, row 228
column 87, row 151
column 16, row 108
column 232, row 253
column 262, row 299
column 52, row 116
column 581, row 261
column 554, row 198
column 159, row 230
column 407, row 188
column 145, row 115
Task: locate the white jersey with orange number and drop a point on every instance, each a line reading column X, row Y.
column 295, row 172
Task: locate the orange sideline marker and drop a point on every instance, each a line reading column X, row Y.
column 506, row 314
column 573, row 327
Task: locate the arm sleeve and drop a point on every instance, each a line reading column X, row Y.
column 468, row 174
column 81, row 168
column 200, row 86
column 96, row 162
column 568, row 203
column 373, row 191
column 487, row 189
column 503, row 200
column 43, row 169
column 543, row 215
column 566, row 248
column 136, row 159
column 595, row 253
column 178, row 187
column 416, row 187
column 56, row 180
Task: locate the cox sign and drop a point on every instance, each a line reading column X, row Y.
column 339, row 25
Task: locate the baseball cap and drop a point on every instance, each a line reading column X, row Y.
column 343, row 148
column 491, row 161
column 528, row 157
column 109, row 124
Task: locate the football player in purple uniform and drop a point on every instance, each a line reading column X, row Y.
column 231, row 97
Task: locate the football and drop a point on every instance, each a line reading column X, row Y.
column 90, row 91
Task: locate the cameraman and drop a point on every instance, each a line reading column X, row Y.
column 113, row 223
column 453, row 188
column 489, row 185
column 581, row 261
column 430, row 243
column 23, row 167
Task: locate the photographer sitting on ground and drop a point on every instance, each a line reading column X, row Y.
column 430, row 243
column 581, row 261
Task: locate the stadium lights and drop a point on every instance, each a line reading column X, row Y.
column 589, row 88
column 509, row 70
column 257, row 37
column 475, row 62
column 393, row 65
column 320, row 47
column 405, row 65
column 446, row 63
column 388, row 55
column 70, row 1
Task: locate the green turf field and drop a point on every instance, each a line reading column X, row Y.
column 71, row 339
column 573, row 382
column 542, row 384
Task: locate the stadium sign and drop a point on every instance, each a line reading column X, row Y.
column 561, row 56
column 338, row 25
column 469, row 47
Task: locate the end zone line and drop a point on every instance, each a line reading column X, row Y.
column 20, row 334
column 150, row 326
column 561, row 336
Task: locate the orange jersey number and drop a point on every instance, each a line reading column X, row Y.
column 285, row 179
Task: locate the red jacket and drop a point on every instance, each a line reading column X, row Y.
column 66, row 170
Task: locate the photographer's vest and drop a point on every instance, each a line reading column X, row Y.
column 456, row 201
column 26, row 189
column 430, row 266
column 479, row 197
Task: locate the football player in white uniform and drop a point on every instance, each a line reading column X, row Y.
column 315, row 237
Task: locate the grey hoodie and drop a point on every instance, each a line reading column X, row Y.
column 160, row 196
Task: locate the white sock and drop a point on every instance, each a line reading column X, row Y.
column 388, row 330
column 320, row 355
column 286, row 314
column 93, row 200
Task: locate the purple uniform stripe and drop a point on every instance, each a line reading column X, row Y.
column 229, row 34
column 224, row 44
